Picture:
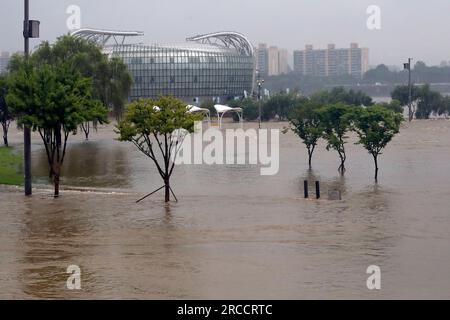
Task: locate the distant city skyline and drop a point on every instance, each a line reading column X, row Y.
column 288, row 24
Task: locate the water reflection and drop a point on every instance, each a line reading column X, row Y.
column 331, row 188
column 89, row 164
column 50, row 246
column 235, row 234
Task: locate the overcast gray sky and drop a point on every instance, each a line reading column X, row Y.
column 413, row 28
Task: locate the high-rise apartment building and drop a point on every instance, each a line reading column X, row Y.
column 283, row 64
column 271, row 61
column 262, row 59
column 274, row 63
column 4, row 60
column 331, row 61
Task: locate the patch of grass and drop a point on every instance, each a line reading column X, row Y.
column 10, row 167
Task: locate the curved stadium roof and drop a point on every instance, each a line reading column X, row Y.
column 212, row 42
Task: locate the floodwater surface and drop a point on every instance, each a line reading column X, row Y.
column 233, row 233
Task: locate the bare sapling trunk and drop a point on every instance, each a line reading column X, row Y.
column 310, row 155
column 375, row 159
column 167, row 189
column 341, row 168
column 56, row 161
column 86, row 127
column 56, row 177
column 310, row 159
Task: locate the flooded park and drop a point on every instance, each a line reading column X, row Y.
column 233, row 233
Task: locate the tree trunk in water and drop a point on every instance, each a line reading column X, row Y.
column 167, row 190
column 341, row 168
column 56, row 173
column 5, row 136
column 310, row 159
column 57, row 163
column 375, row 158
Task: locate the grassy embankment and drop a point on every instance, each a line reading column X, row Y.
column 10, row 167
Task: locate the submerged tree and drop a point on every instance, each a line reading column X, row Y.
column 305, row 122
column 157, row 128
column 52, row 100
column 429, row 102
column 336, row 123
column 5, row 113
column 376, row 126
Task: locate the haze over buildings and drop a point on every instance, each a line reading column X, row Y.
column 408, row 28
column 271, row 61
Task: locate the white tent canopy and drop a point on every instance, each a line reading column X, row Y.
column 222, row 110
column 194, row 109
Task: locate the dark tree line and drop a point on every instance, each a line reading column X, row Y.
column 425, row 101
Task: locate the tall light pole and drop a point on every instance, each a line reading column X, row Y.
column 408, row 67
column 259, row 82
column 27, row 130
column 30, row 30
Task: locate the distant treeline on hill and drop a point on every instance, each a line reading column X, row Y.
column 379, row 81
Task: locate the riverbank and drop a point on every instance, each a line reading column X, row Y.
column 10, row 166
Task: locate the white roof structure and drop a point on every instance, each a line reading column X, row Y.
column 229, row 39
column 195, row 109
column 222, row 110
column 101, row 37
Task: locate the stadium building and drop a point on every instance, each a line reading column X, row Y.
column 216, row 66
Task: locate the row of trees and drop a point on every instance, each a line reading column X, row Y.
column 426, row 102
column 374, row 125
column 331, row 115
column 280, row 105
column 61, row 88
column 421, row 73
column 309, row 84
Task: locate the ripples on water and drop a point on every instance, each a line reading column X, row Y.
column 234, row 234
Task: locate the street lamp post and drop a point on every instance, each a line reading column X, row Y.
column 408, row 67
column 259, row 82
column 30, row 30
column 27, row 130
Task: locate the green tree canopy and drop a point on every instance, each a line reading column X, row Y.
column 157, row 128
column 394, row 105
column 429, row 102
column 306, row 122
column 375, row 126
column 249, row 107
column 336, row 121
column 340, row 95
column 401, row 94
column 111, row 79
column 281, row 105
column 52, row 99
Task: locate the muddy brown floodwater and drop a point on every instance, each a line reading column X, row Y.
column 234, row 233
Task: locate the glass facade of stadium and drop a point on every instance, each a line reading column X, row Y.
column 188, row 71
